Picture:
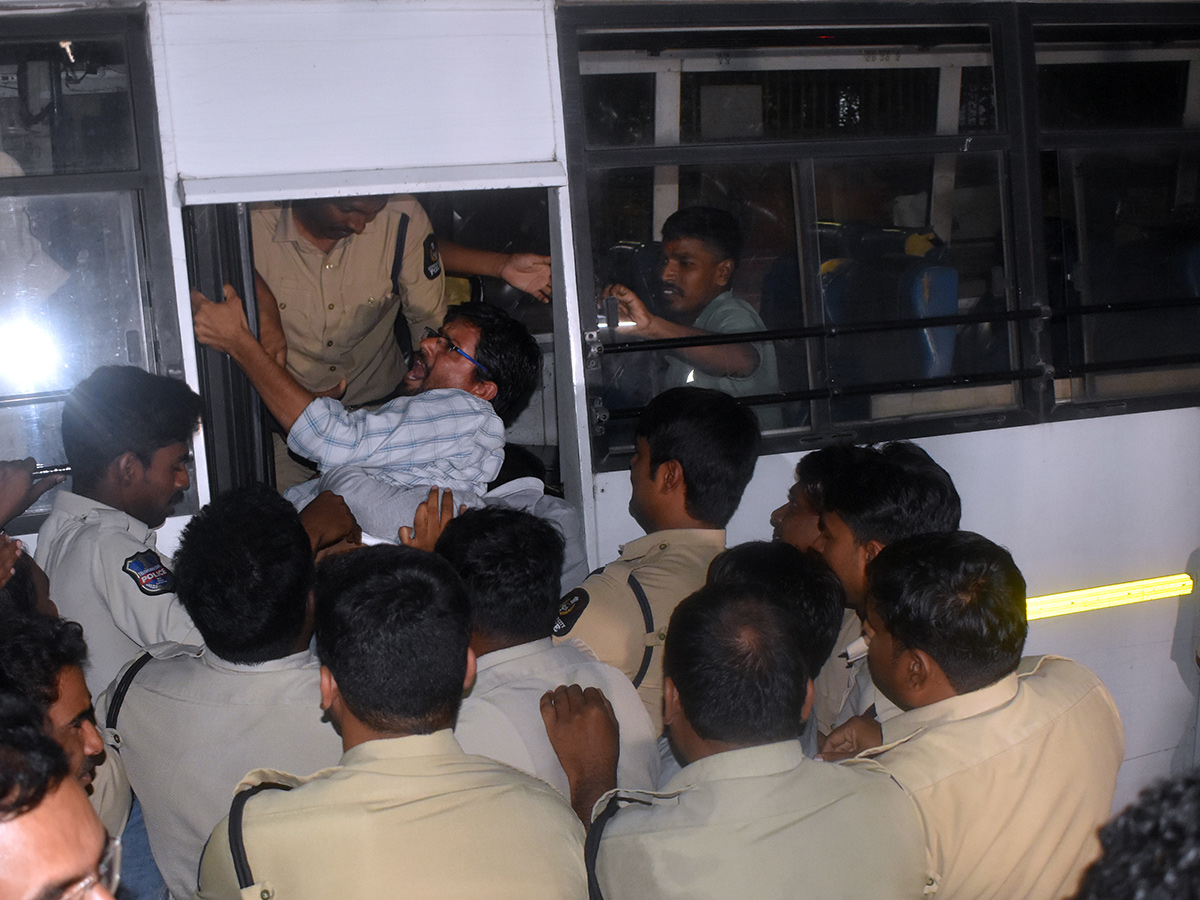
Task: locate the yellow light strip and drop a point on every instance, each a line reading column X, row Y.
column 1109, row 595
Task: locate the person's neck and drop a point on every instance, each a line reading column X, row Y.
column 323, row 244
column 108, row 494
column 672, row 520
column 354, row 732
column 490, row 643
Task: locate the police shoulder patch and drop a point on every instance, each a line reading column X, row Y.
column 570, row 608
column 433, row 259
column 149, row 573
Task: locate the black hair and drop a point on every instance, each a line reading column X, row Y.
column 1152, row 849
column 821, row 467
column 511, row 563
column 19, row 595
column 716, row 227
column 734, row 654
column 715, row 441
column 119, row 409
column 244, row 570
column 889, row 493
column 31, row 762
column 392, row 626
column 800, row 577
column 956, row 596
column 509, row 353
column 35, row 649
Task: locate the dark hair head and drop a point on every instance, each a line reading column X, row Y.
column 1152, row 849
column 716, row 227
column 956, row 596
column 34, row 649
column 118, row 409
column 714, row 440
column 802, row 578
column 508, row 351
column 392, row 626
column 31, row 762
column 821, row 467
column 19, row 595
column 890, row 493
column 734, row 654
column 244, row 569
column 511, row 562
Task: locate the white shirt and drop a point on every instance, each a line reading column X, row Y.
column 501, row 717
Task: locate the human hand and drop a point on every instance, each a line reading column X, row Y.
column 221, row 326
column 270, row 325
column 430, row 521
column 632, row 312
column 584, row 733
column 530, row 273
column 851, row 738
column 18, row 490
column 328, row 521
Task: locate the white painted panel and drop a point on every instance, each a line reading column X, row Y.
column 322, row 86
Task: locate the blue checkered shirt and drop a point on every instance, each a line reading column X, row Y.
column 445, row 437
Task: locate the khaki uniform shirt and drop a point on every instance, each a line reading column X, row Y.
column 403, row 817
column 1013, row 780
column 843, row 688
column 106, row 573
column 501, row 716
column 109, row 792
column 338, row 309
column 190, row 728
column 764, row 822
column 604, row 613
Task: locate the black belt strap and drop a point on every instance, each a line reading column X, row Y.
column 118, row 697
column 591, row 847
column 647, row 616
column 401, row 329
column 237, row 846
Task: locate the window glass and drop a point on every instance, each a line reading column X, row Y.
column 65, row 108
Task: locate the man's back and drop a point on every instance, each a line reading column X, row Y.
column 501, row 718
column 765, row 822
column 412, row 816
column 108, row 575
column 1013, row 780
column 191, row 726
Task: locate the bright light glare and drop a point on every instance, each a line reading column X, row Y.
column 1109, row 595
column 29, row 360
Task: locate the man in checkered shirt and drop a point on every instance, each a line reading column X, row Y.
column 445, row 429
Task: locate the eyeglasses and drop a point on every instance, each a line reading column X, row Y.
column 107, row 876
column 441, row 336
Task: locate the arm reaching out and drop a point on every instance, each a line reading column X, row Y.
column 328, row 521
column 223, row 327
column 851, row 738
column 430, row 521
column 18, row 490
column 583, row 730
column 528, row 272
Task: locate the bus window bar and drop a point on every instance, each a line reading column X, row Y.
column 1153, row 362
column 1064, row 313
column 1109, row 595
column 31, row 399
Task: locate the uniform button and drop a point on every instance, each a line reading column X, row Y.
column 370, row 301
column 662, row 546
column 265, row 894
column 329, row 265
column 283, row 306
column 329, row 343
column 333, row 368
column 331, row 306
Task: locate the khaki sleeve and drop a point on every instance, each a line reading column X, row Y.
column 218, row 880
column 611, row 623
column 422, row 279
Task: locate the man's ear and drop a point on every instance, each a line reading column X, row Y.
column 469, row 679
column 126, row 468
column 669, row 476
column 672, row 708
column 809, row 691
column 918, row 669
column 724, row 272
column 873, row 547
column 484, row 390
column 329, row 689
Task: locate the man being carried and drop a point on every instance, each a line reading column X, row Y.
column 405, row 807
column 749, row 815
column 245, row 570
column 510, row 561
column 694, row 454
column 1013, row 762
column 447, row 430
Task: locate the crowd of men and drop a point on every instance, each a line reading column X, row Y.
column 281, row 711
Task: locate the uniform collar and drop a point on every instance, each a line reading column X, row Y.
column 302, row 660
column 520, row 651
column 286, row 231
column 440, row 743
column 747, row 762
column 78, row 505
column 952, row 709
column 661, row 540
